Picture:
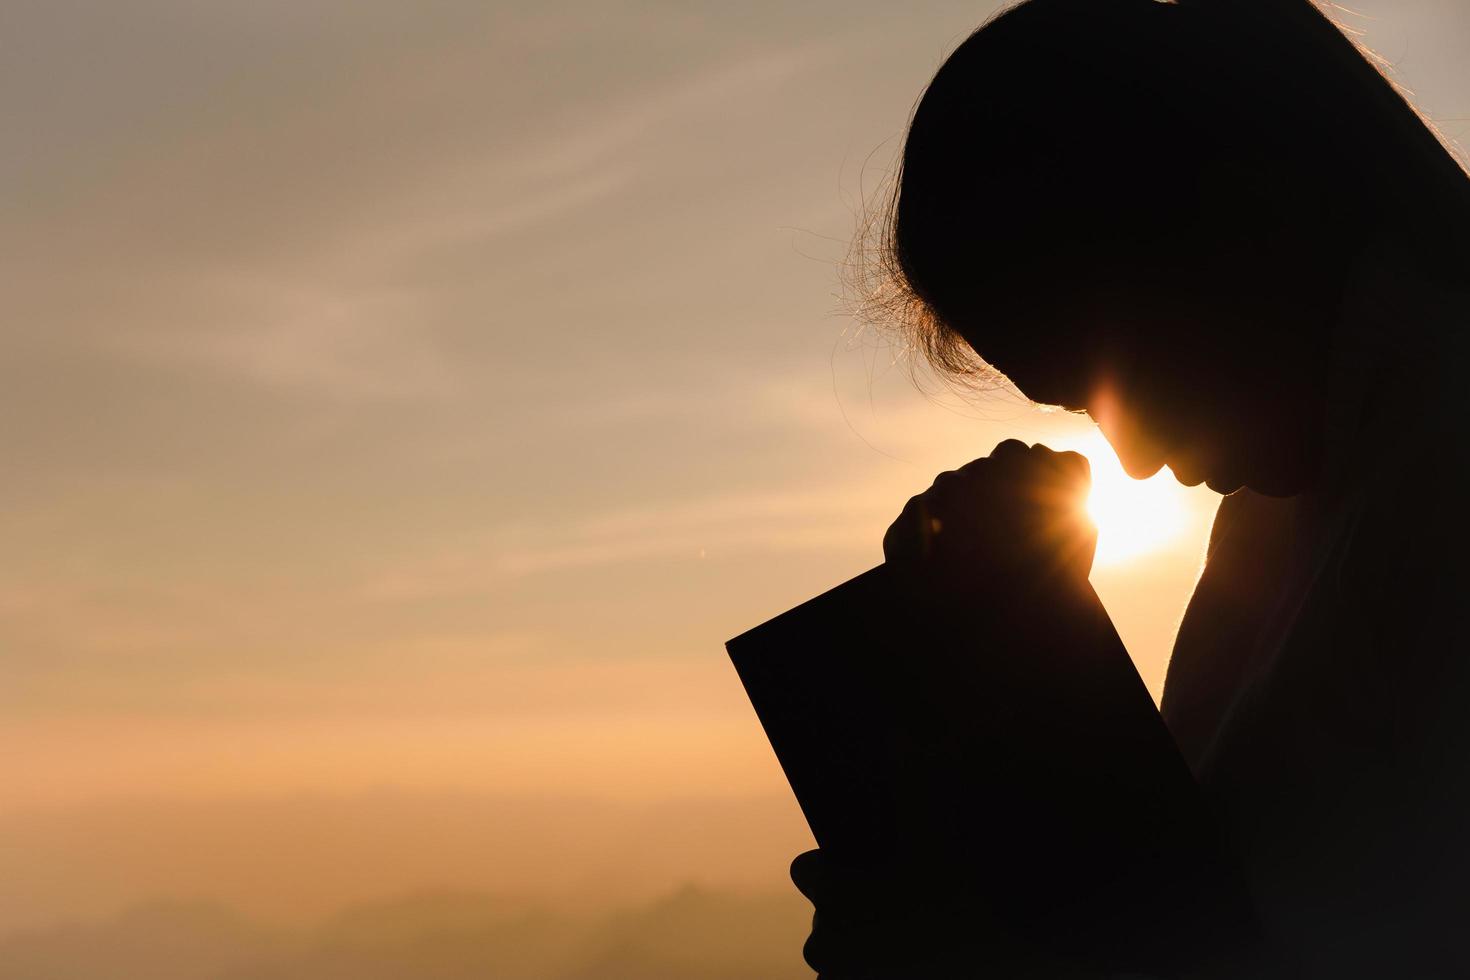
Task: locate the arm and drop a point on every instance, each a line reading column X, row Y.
column 1075, row 843
column 1343, row 775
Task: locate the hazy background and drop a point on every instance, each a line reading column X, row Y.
column 400, row 404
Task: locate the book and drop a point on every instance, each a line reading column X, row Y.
column 992, row 737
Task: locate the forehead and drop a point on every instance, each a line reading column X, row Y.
column 1054, row 358
column 1065, row 385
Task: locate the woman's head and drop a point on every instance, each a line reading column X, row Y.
column 1144, row 209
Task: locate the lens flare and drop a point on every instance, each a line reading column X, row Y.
column 1133, row 517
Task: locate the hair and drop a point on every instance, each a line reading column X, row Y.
column 1063, row 131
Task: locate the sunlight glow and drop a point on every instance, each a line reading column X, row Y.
column 1133, row 517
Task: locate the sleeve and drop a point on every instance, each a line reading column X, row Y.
column 1346, row 775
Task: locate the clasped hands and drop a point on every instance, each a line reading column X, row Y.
column 1018, row 510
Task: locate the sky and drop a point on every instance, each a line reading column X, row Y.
column 401, row 404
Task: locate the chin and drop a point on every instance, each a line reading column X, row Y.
column 1225, row 487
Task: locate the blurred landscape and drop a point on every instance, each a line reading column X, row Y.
column 690, row 934
column 307, row 888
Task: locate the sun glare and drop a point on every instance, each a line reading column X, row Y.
column 1133, row 517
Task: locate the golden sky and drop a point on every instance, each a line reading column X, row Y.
column 410, row 399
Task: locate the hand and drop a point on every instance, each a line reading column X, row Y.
column 916, row 921
column 869, row 923
column 1020, row 509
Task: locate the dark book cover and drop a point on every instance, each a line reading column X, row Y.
column 992, row 735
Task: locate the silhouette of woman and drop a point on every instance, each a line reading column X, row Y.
column 1216, row 227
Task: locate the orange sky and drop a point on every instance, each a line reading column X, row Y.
column 413, row 398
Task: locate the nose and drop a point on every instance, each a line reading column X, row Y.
column 1141, row 453
column 1139, row 465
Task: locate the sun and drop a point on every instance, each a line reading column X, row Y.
column 1133, row 517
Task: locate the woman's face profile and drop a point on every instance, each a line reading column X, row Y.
column 1219, row 381
column 1153, row 238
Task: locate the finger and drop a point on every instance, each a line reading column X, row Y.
column 1018, row 464
column 974, row 467
column 968, row 487
column 1010, row 449
column 911, row 533
column 1070, row 471
column 946, row 478
column 1065, row 459
column 1078, row 465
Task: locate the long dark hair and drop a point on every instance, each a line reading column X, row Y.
column 1062, row 130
